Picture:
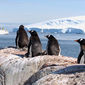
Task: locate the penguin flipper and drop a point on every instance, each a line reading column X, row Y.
column 16, row 39
column 29, row 45
column 79, row 57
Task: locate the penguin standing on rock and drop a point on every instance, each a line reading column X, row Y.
column 82, row 50
column 21, row 38
column 35, row 46
column 53, row 47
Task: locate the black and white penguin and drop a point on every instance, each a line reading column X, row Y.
column 35, row 46
column 82, row 50
column 53, row 47
column 22, row 39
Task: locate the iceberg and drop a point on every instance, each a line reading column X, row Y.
column 61, row 25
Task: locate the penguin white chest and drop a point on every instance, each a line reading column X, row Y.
column 82, row 61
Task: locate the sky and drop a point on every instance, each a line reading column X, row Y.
column 33, row 11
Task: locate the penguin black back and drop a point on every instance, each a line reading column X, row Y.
column 34, row 44
column 53, row 47
column 21, row 38
column 82, row 50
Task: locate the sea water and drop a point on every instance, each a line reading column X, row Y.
column 67, row 44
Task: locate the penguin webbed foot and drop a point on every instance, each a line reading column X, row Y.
column 27, row 55
column 25, row 48
column 78, row 62
column 17, row 47
column 44, row 52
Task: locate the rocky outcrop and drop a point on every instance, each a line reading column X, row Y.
column 72, row 75
column 2, row 77
column 18, row 70
column 41, row 73
column 77, row 79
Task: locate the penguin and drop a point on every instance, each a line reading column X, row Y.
column 81, row 41
column 35, row 46
column 53, row 47
column 21, row 39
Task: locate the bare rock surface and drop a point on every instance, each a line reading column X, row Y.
column 62, row 79
column 18, row 70
column 14, row 51
column 41, row 73
column 59, row 75
column 2, row 77
column 71, row 75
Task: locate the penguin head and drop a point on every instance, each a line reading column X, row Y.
column 33, row 32
column 49, row 37
column 21, row 27
column 81, row 41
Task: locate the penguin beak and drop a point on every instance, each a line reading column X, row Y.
column 29, row 31
column 76, row 40
column 46, row 36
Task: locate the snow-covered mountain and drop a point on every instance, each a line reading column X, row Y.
column 61, row 25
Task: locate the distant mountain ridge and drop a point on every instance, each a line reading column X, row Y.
column 61, row 25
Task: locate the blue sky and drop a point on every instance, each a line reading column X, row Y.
column 32, row 11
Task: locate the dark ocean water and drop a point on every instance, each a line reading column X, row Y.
column 66, row 41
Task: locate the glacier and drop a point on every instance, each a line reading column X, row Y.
column 61, row 25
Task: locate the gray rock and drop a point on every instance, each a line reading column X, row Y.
column 2, row 77
column 18, row 70
column 41, row 73
column 62, row 79
column 71, row 75
column 71, row 69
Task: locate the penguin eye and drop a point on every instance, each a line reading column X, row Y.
column 48, row 35
column 81, row 39
column 32, row 31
